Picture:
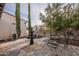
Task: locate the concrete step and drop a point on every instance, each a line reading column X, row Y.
column 52, row 43
column 52, row 46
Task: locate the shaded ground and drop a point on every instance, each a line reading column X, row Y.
column 21, row 48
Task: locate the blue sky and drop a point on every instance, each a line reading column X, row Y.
column 36, row 8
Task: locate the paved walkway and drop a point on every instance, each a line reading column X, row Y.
column 21, row 47
column 13, row 47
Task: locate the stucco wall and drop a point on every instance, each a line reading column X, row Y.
column 8, row 26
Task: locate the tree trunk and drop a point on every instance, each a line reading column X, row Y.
column 66, row 39
column 50, row 33
column 31, row 38
column 44, row 33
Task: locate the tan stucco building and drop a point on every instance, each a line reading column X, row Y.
column 8, row 26
column 41, row 30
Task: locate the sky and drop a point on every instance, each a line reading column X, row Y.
column 36, row 8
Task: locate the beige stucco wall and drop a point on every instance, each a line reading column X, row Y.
column 7, row 28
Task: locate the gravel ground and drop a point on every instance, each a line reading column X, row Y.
column 21, row 47
column 41, row 49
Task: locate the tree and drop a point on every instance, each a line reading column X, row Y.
column 18, row 30
column 60, row 18
column 75, row 24
column 29, row 25
column 66, row 22
column 51, row 15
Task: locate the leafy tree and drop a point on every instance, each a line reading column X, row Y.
column 66, row 22
column 61, row 18
column 75, row 24
column 51, row 16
